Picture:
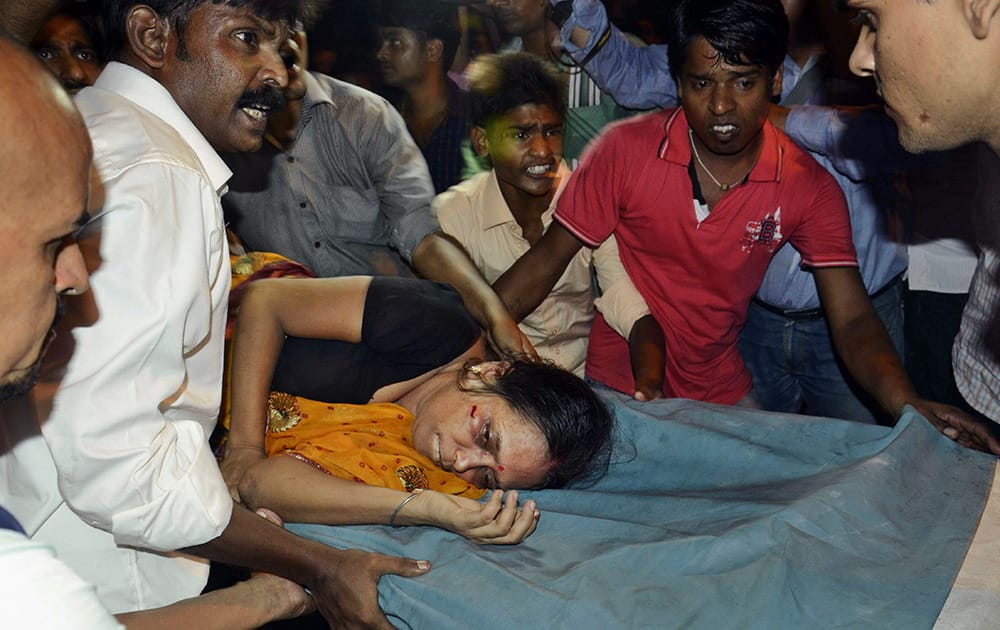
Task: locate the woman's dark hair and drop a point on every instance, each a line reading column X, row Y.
column 177, row 13
column 500, row 82
column 576, row 423
column 745, row 32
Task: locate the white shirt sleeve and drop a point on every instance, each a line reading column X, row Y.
column 620, row 302
column 39, row 592
column 130, row 421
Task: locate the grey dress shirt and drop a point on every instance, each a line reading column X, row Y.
column 350, row 196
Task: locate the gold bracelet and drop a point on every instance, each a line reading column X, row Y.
column 395, row 513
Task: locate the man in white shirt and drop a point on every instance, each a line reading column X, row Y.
column 517, row 106
column 129, row 421
column 38, row 214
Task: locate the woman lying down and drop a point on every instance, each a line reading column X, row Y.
column 365, row 400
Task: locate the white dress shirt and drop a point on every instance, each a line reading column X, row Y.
column 475, row 212
column 130, row 420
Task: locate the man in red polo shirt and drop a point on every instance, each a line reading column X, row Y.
column 699, row 198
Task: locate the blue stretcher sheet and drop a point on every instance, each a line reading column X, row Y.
column 714, row 517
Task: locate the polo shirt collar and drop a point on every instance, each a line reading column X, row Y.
column 149, row 94
column 676, row 148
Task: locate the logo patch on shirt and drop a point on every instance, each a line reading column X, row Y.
column 766, row 232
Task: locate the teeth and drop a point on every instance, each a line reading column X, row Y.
column 538, row 170
column 724, row 128
column 255, row 113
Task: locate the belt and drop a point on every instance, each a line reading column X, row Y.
column 806, row 314
column 802, row 314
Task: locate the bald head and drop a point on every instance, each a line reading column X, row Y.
column 44, row 166
column 34, row 108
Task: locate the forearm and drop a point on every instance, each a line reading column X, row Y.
column 255, row 543
column 301, row 493
column 244, row 606
column 531, row 278
column 871, row 359
column 439, row 257
column 647, row 352
column 23, row 18
column 635, row 76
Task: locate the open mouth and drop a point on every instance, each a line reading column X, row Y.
column 258, row 113
column 541, row 170
column 724, row 132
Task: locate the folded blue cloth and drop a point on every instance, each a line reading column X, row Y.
column 714, row 517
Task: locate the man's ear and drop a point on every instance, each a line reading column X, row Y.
column 776, row 82
column 148, row 35
column 979, row 14
column 480, row 144
column 435, row 50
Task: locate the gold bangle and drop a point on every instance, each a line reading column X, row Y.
column 395, row 513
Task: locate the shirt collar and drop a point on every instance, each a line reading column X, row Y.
column 151, row 95
column 676, row 147
column 496, row 212
column 315, row 94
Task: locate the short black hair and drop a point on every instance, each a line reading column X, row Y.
column 745, row 32
column 177, row 13
column 428, row 19
column 500, row 82
column 577, row 425
column 86, row 15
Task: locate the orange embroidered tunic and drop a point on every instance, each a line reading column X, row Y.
column 370, row 444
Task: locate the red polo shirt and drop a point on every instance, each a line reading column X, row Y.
column 697, row 278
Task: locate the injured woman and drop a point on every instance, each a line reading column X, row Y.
column 366, row 400
column 707, row 516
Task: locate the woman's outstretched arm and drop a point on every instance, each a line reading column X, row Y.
column 301, row 493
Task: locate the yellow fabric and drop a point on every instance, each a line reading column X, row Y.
column 370, row 444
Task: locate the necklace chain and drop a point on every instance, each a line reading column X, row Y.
column 723, row 187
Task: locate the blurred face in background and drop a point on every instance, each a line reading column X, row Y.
column 65, row 47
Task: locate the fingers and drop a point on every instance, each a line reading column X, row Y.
column 963, row 428
column 511, row 524
column 406, row 567
column 270, row 515
column 524, row 525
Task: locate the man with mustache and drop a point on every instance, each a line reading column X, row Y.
column 126, row 438
column 38, row 215
column 341, row 187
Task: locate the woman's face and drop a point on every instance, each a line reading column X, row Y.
column 481, row 439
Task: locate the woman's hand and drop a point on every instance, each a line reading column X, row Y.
column 498, row 521
column 237, row 461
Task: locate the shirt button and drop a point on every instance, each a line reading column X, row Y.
column 302, row 204
column 317, row 245
column 290, row 159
